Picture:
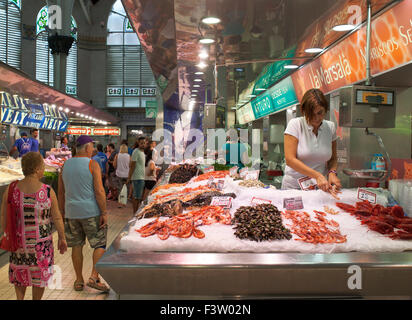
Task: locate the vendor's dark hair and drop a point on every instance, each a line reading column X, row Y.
column 149, row 156
column 311, row 99
column 125, row 142
column 62, row 139
column 99, row 147
column 111, row 145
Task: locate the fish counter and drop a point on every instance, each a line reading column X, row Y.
column 214, row 235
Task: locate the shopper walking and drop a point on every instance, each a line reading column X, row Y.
column 136, row 173
column 122, row 166
column 34, row 206
column 101, row 159
column 111, row 172
column 149, row 174
column 83, row 203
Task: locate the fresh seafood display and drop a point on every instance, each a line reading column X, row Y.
column 186, row 224
column 167, row 209
column 310, row 231
column 252, row 184
column 212, row 174
column 260, row 223
column 167, row 186
column 330, row 210
column 389, row 221
column 184, row 173
column 204, row 199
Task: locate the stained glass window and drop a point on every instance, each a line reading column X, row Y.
column 44, row 58
column 10, row 32
column 129, row 76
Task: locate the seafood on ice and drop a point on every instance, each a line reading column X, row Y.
column 322, row 231
column 186, row 224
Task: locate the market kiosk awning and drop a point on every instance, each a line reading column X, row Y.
column 17, row 82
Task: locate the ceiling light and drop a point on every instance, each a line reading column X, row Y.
column 203, row 55
column 251, row 95
column 61, row 108
column 194, row 95
column 211, row 20
column 291, row 66
column 199, row 72
column 196, row 86
column 201, row 65
column 81, row 115
column 67, row 110
column 197, row 80
column 53, row 106
column 195, row 90
column 313, row 50
column 77, row 114
column 206, row 40
column 343, row 27
column 260, row 89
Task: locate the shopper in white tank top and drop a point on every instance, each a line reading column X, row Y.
column 121, row 164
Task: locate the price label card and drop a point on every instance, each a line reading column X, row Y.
column 295, row 203
column 225, row 202
column 243, row 172
column 209, row 169
column 233, row 171
column 256, row 201
column 252, row 175
column 307, row 183
column 366, row 195
column 216, row 184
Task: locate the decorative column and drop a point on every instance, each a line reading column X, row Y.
column 60, row 39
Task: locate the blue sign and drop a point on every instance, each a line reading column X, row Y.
column 17, row 111
column 277, row 98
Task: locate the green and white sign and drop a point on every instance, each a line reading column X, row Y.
column 275, row 99
column 151, row 109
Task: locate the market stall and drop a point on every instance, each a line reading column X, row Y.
column 218, row 234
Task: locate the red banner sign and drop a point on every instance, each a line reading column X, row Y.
column 93, row 131
column 345, row 63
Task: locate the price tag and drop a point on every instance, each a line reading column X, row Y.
column 209, row 169
column 366, row 195
column 256, row 201
column 243, row 172
column 295, row 203
column 307, row 183
column 252, row 175
column 233, row 171
column 225, row 202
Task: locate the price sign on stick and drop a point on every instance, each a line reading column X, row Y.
column 233, row 171
column 252, row 175
column 225, row 202
column 243, row 172
column 209, row 169
column 366, row 195
column 295, row 203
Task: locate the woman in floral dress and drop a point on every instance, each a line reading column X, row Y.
column 35, row 205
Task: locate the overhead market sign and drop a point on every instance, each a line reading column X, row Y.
column 130, row 92
column 90, row 131
column 20, row 112
column 277, row 98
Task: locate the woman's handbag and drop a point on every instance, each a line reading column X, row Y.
column 9, row 241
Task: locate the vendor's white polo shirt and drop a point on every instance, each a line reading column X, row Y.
column 314, row 151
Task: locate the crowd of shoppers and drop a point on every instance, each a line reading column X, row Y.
column 79, row 211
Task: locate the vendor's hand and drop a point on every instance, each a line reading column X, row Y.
column 334, row 180
column 323, row 184
column 103, row 220
column 334, row 192
column 62, row 245
column 128, row 181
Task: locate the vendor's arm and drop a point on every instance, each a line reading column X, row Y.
column 332, row 167
column 152, row 167
column 131, row 170
column 291, row 147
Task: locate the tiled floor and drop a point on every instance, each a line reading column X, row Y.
column 118, row 217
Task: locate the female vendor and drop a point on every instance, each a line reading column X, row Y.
column 310, row 147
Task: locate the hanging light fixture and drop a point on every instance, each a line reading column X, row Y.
column 211, row 20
